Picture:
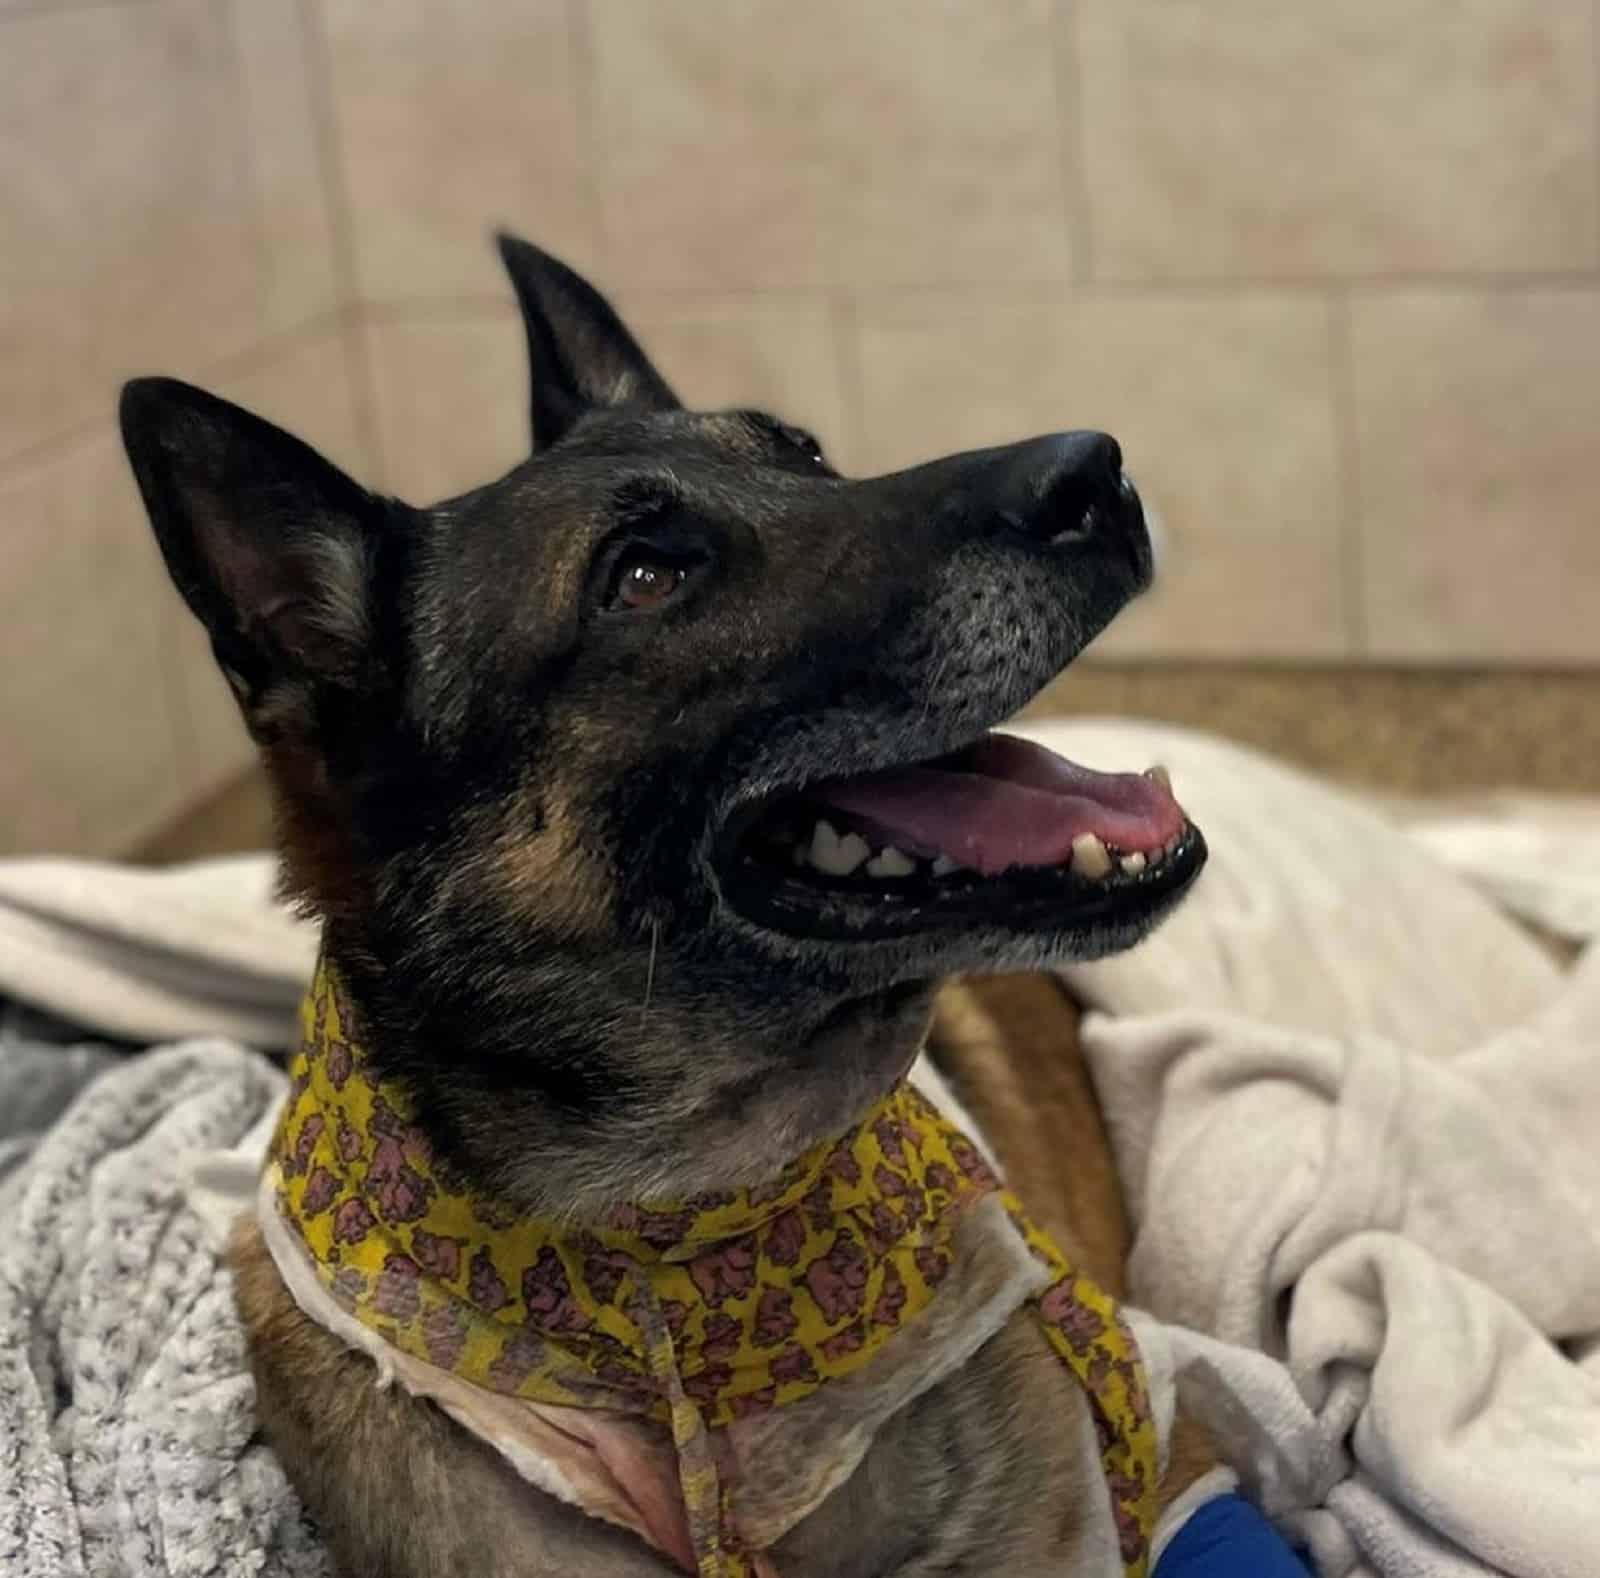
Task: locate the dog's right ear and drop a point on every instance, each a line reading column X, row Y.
column 271, row 545
column 580, row 355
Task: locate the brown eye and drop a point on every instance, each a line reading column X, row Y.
column 645, row 582
column 805, row 443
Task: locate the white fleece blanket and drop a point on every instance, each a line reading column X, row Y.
column 1358, row 1116
column 1356, row 1110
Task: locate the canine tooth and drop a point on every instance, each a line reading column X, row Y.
column 836, row 856
column 1089, row 856
column 943, row 865
column 890, row 862
column 1159, row 774
column 1133, row 864
column 824, row 842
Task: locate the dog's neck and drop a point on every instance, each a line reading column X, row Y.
column 570, row 1090
column 698, row 1314
column 381, row 1209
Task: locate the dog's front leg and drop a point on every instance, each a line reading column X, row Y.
column 397, row 1489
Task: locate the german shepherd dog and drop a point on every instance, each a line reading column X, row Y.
column 646, row 796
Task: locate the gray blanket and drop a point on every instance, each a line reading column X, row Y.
column 127, row 1432
column 126, row 1424
column 43, row 1066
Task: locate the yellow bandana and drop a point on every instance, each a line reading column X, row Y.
column 694, row 1314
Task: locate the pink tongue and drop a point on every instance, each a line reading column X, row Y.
column 1007, row 802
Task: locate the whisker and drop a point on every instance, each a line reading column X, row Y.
column 650, row 972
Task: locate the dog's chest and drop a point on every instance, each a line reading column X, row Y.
column 785, row 1463
column 993, row 1469
column 963, row 1431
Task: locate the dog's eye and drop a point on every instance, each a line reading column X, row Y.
column 644, row 580
column 804, row 442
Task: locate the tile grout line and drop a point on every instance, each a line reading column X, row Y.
column 1487, row 280
column 316, row 56
column 468, row 307
column 60, row 7
column 183, row 732
column 1351, row 516
column 1594, row 82
column 190, row 769
column 846, row 331
column 249, row 161
column 180, row 714
column 1036, row 291
column 265, row 352
column 1067, row 78
column 235, row 364
column 581, row 51
column 357, row 347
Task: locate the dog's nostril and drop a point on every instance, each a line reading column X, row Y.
column 1075, row 521
column 1064, row 488
column 1079, row 507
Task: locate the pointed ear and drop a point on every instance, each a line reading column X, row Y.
column 270, row 545
column 580, row 356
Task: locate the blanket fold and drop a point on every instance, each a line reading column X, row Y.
column 1355, row 1111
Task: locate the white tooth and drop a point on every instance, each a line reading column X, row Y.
column 824, row 839
column 1089, row 856
column 837, row 856
column 1133, row 864
column 943, row 865
column 1159, row 774
column 890, row 862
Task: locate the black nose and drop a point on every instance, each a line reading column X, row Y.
column 1070, row 489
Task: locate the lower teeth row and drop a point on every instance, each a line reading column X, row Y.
column 837, row 854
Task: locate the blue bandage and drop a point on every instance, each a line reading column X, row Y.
column 1227, row 1538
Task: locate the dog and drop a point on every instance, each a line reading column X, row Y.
column 646, row 797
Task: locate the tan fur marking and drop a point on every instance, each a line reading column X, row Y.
column 318, row 872
column 549, row 873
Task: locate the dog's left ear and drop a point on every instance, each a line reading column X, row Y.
column 580, row 355
column 271, row 546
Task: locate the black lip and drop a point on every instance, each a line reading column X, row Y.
column 1025, row 901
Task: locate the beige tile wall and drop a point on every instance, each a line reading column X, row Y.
column 1332, row 273
column 163, row 208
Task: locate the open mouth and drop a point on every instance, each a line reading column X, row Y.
column 1003, row 831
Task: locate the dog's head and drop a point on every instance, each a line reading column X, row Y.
column 648, row 791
